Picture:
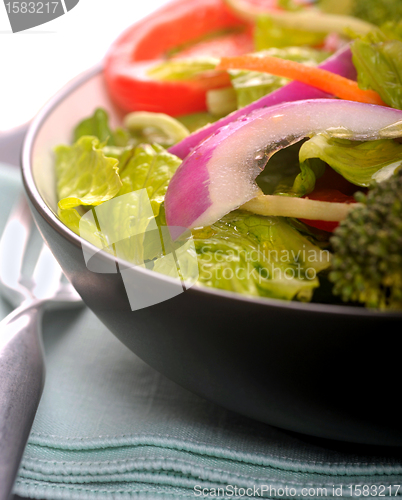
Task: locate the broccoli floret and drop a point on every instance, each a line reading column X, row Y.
column 367, row 262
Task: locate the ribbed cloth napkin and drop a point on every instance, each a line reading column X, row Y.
column 111, row 427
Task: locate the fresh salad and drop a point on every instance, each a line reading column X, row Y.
column 270, row 129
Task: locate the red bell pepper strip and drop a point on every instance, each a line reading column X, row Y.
column 146, row 43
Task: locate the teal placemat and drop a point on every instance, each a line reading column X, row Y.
column 110, row 427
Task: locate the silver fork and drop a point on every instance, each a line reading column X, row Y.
column 22, row 368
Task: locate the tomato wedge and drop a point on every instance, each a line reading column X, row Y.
column 327, row 195
column 331, row 187
column 147, row 42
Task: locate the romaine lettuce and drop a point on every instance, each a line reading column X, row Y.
column 373, row 11
column 194, row 121
column 251, row 85
column 377, row 12
column 85, row 176
column 392, row 30
column 269, row 33
column 181, row 69
column 97, row 125
column 294, row 170
column 150, row 167
column 136, row 131
column 259, row 256
column 285, row 175
column 361, row 163
column 378, row 60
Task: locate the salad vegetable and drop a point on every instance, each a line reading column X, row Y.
column 336, row 85
column 249, row 86
column 339, row 63
column 372, row 11
column 369, row 241
column 271, row 131
column 378, row 60
column 218, row 175
column 262, row 256
column 144, row 45
column 309, row 20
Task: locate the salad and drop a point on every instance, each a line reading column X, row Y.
column 268, row 133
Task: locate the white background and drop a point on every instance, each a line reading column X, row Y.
column 36, row 63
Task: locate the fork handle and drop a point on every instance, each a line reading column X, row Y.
column 22, row 375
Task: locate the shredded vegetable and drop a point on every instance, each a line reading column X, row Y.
column 336, row 85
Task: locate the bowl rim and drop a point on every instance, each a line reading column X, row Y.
column 49, row 216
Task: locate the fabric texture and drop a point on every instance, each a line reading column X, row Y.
column 111, row 427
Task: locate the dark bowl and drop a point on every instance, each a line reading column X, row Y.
column 330, row 371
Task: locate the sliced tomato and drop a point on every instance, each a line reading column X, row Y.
column 332, row 195
column 220, row 46
column 147, row 43
column 334, row 188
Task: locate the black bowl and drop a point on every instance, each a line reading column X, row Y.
column 330, row 371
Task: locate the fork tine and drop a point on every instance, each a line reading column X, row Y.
column 13, row 245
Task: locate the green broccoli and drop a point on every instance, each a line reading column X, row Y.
column 367, row 245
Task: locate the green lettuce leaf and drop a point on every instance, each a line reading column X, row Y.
column 252, row 85
column 194, row 121
column 293, row 171
column 71, row 218
column 285, row 175
column 137, row 189
column 378, row 60
column 280, row 172
column 373, row 11
column 392, row 30
column 259, row 256
column 97, row 125
column 182, row 69
column 121, row 225
column 377, row 12
column 85, row 176
column 148, row 167
column 117, row 141
column 269, row 33
column 361, row 163
column 84, row 226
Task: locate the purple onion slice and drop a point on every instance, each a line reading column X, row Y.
column 340, row 63
column 219, row 175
